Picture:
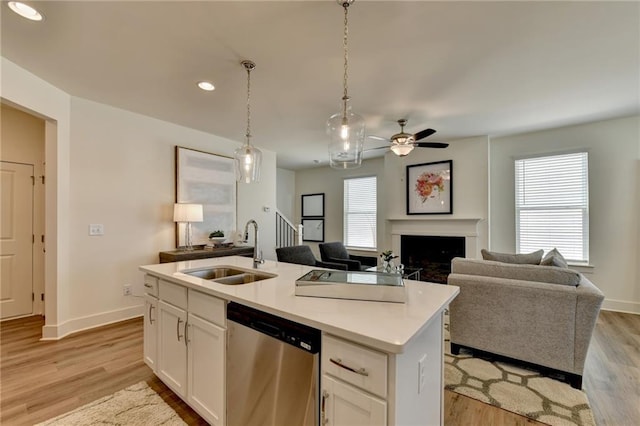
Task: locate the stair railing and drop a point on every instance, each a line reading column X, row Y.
column 287, row 234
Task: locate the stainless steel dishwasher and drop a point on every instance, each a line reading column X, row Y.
column 272, row 370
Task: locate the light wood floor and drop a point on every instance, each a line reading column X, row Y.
column 40, row 380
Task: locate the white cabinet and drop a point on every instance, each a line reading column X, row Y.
column 354, row 384
column 150, row 331
column 187, row 330
column 342, row 404
column 172, row 348
column 206, row 369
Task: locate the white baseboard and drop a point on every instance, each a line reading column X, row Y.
column 56, row 332
column 621, row 306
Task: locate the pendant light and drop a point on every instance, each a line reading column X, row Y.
column 248, row 158
column 345, row 128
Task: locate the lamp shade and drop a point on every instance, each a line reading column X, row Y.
column 187, row 212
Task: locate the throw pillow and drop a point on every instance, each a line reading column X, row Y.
column 554, row 258
column 528, row 258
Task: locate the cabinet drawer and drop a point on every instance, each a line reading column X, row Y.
column 151, row 285
column 207, row 307
column 174, row 294
column 355, row 364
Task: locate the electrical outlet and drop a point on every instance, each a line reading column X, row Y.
column 126, row 290
column 422, row 372
column 96, row 229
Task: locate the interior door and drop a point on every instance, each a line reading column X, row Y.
column 16, row 239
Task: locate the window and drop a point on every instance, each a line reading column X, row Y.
column 552, row 205
column 360, row 212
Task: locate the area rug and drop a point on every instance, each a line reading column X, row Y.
column 516, row 389
column 135, row 405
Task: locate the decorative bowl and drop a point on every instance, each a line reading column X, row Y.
column 216, row 241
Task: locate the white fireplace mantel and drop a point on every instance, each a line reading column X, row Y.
column 437, row 226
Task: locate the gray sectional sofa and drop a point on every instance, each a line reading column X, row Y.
column 543, row 315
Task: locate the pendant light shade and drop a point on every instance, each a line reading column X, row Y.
column 347, row 140
column 248, row 159
column 345, row 128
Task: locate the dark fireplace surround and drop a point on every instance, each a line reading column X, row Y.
column 431, row 253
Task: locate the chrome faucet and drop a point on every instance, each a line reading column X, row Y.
column 257, row 258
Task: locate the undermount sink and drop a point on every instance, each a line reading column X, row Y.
column 229, row 276
column 244, row 278
column 214, row 273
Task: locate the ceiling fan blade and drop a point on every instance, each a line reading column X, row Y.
column 376, row 148
column 378, row 138
column 431, row 144
column 423, row 134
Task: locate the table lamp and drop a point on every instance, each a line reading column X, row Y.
column 187, row 213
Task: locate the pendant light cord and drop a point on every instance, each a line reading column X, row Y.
column 248, row 134
column 345, row 46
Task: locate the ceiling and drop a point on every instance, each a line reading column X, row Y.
column 463, row 68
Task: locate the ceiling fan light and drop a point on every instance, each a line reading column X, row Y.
column 401, row 150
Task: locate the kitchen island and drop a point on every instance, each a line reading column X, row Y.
column 399, row 345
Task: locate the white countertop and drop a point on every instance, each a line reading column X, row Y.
column 383, row 325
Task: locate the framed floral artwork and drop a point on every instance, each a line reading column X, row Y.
column 430, row 188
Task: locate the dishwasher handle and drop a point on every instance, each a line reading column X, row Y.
column 265, row 328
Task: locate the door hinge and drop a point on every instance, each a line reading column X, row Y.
column 33, row 239
column 33, row 180
column 33, row 297
column 42, row 177
column 42, row 238
column 42, row 296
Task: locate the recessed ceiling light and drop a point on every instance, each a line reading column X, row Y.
column 206, row 85
column 25, row 11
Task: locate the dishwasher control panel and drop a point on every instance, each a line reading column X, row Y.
column 298, row 335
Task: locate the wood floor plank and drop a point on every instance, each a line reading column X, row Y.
column 40, row 380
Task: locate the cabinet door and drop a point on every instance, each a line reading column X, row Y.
column 344, row 405
column 150, row 331
column 206, row 369
column 172, row 348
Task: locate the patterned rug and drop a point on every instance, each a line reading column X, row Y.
column 135, row 405
column 516, row 389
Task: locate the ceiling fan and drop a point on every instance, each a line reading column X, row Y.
column 403, row 143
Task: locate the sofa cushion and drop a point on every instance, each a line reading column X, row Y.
column 554, row 258
column 523, row 272
column 529, row 258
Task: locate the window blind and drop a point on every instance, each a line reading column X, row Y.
column 360, row 212
column 552, row 205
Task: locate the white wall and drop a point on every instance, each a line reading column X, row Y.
column 470, row 193
column 614, row 209
column 286, row 190
column 110, row 166
column 35, row 95
column 470, row 183
column 330, row 182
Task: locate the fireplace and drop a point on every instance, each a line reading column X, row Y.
column 431, row 253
